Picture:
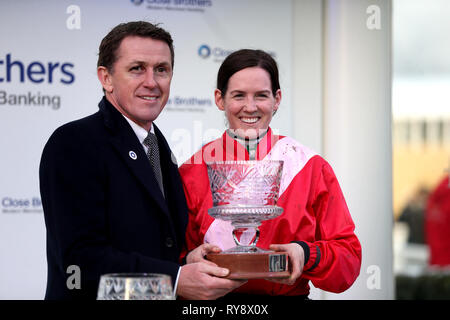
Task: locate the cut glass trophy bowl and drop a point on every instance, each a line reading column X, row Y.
column 246, row 193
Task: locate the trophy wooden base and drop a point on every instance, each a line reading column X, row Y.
column 253, row 265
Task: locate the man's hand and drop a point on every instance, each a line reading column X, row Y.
column 296, row 261
column 203, row 281
column 199, row 253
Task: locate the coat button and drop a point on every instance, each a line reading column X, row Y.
column 169, row 242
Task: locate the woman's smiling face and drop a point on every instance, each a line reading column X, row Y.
column 249, row 102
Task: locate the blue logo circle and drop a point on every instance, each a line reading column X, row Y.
column 204, row 51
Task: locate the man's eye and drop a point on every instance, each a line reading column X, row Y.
column 136, row 68
column 161, row 69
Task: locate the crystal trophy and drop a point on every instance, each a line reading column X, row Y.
column 245, row 193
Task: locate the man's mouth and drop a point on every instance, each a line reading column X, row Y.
column 149, row 98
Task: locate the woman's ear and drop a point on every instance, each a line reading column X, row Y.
column 219, row 99
column 105, row 78
column 277, row 100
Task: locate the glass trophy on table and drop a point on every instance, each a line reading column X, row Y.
column 245, row 193
column 135, row 286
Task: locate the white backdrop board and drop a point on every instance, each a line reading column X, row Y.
column 48, row 57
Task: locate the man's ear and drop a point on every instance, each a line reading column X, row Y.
column 105, row 78
column 219, row 99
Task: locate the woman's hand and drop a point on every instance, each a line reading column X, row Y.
column 296, row 261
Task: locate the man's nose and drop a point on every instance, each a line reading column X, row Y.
column 149, row 80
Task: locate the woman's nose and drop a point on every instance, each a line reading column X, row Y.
column 250, row 105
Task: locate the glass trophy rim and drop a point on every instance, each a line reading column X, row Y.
column 136, row 275
column 244, row 162
column 245, row 213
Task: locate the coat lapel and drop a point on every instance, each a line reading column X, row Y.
column 127, row 145
column 174, row 192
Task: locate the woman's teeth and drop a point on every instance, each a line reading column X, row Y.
column 249, row 120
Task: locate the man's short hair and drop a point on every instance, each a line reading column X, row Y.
column 107, row 54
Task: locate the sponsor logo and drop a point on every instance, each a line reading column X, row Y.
column 21, row 205
column 204, row 51
column 30, row 99
column 218, row 54
column 188, row 104
column 175, row 5
column 12, row 70
column 16, row 71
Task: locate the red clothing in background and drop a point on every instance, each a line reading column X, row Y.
column 437, row 224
